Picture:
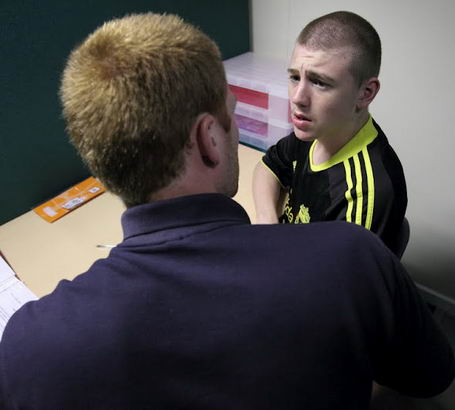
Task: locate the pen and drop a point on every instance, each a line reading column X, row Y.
column 105, row 246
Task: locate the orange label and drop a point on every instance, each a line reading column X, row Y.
column 69, row 200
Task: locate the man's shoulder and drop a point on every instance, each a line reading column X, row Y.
column 344, row 258
column 335, row 236
column 22, row 326
column 34, row 325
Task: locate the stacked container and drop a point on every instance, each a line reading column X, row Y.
column 262, row 111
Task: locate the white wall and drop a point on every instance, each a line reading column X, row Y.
column 414, row 107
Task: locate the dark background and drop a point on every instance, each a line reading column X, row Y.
column 36, row 160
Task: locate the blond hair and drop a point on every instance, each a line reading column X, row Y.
column 131, row 92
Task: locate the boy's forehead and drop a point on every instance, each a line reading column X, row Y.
column 303, row 56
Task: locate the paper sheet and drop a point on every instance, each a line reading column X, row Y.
column 13, row 294
column 5, row 271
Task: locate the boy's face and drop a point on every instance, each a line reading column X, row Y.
column 323, row 94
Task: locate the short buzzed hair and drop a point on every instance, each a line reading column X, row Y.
column 131, row 93
column 346, row 29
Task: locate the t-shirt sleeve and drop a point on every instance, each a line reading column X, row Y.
column 391, row 197
column 418, row 360
column 279, row 159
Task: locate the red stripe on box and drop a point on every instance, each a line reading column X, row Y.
column 251, row 97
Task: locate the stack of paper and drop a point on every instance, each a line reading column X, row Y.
column 13, row 294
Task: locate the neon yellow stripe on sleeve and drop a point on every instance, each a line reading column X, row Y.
column 371, row 188
column 358, row 189
column 347, row 194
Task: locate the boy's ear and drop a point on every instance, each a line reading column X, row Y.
column 367, row 92
column 206, row 139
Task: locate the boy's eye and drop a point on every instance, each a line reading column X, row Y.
column 318, row 83
column 294, row 78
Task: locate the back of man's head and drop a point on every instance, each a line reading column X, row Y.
column 131, row 92
column 346, row 29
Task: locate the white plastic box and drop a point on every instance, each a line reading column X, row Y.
column 260, row 85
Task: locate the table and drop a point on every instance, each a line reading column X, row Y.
column 43, row 253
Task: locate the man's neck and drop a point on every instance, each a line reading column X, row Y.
column 191, row 181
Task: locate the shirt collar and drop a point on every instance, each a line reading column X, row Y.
column 182, row 212
column 366, row 135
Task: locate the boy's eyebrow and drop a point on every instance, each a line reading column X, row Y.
column 323, row 77
column 312, row 74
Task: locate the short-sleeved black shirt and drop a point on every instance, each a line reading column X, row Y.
column 363, row 183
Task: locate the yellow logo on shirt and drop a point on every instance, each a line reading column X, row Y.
column 302, row 217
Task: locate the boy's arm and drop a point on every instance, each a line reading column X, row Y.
column 267, row 193
column 271, row 179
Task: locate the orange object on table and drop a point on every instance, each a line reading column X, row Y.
column 70, row 199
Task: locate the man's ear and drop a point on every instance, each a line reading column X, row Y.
column 205, row 129
column 367, row 92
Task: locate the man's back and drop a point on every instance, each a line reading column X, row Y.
column 197, row 309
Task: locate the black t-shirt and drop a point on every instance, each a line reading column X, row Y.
column 363, row 183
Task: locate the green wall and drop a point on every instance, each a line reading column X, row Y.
column 36, row 160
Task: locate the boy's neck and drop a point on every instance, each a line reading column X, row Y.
column 326, row 149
